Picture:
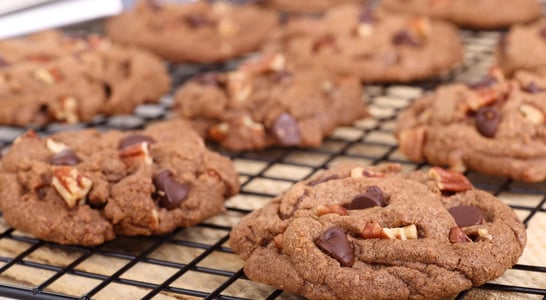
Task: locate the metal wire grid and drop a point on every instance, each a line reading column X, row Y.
column 263, row 175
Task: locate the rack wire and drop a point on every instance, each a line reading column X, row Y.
column 197, row 262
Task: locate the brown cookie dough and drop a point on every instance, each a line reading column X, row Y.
column 85, row 187
column 200, row 31
column 50, row 77
column 371, row 45
column 265, row 103
column 523, row 48
column 494, row 126
column 478, row 14
column 373, row 233
column 308, row 6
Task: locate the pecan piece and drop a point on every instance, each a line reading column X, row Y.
column 457, row 235
column 373, row 230
column 331, row 209
column 72, row 186
column 450, row 181
column 532, row 114
column 411, row 143
column 140, row 151
column 270, row 62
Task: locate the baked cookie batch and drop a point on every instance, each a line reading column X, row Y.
column 345, row 233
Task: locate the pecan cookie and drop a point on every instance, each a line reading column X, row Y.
column 478, row 14
column 200, row 31
column 373, row 233
column 51, row 77
column 265, row 103
column 308, row 6
column 493, row 126
column 523, row 48
column 372, row 45
column 85, row 187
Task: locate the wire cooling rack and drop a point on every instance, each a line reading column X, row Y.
column 196, row 262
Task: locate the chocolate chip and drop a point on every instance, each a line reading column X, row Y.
column 372, row 197
column 532, row 88
column 543, row 32
column 196, row 21
column 65, row 158
column 208, row 79
column 286, row 130
column 487, row 121
column 334, row 242
column 133, row 140
column 169, row 192
column 485, row 82
column 466, row 215
column 405, row 38
column 322, row 180
column 457, row 235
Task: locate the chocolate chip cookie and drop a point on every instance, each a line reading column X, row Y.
column 266, row 103
column 200, row 31
column 523, row 48
column 370, row 44
column 477, row 14
column 86, row 187
column 494, row 126
column 373, row 233
column 52, row 77
column 308, row 6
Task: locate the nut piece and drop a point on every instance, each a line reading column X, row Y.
column 55, row 147
column 457, row 235
column 373, row 230
column 421, row 27
column 479, row 99
column 331, row 209
column 67, row 110
column 218, row 132
column 266, row 63
column 44, row 76
column 411, row 143
column 449, row 180
column 532, row 114
column 239, row 86
column 360, row 172
column 364, row 30
column 248, row 122
column 357, row 172
column 71, row 185
column 140, row 151
column 483, row 234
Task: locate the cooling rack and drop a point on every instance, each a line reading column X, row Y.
column 197, row 262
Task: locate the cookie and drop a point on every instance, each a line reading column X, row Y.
column 477, row 14
column 265, row 103
column 373, row 233
column 494, row 126
column 86, row 187
column 372, row 45
column 51, row 77
column 309, row 6
column 522, row 48
column 200, row 31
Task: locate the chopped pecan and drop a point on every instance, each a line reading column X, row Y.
column 532, row 114
column 450, row 181
column 239, row 86
column 140, row 151
column 218, row 132
column 373, row 230
column 457, row 235
column 269, row 62
column 331, row 209
column 67, row 110
column 412, row 142
column 55, row 147
column 71, row 185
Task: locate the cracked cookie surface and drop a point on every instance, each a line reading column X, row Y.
column 372, row 45
column 357, row 232
column 266, row 103
column 85, row 187
column 494, row 126
column 200, row 32
column 478, row 14
column 51, row 77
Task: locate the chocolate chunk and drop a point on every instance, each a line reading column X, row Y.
column 487, row 121
column 208, row 79
column 405, row 38
column 286, row 130
column 466, row 215
column 196, row 21
column 65, row 158
column 532, row 88
column 543, row 32
column 334, row 242
column 457, row 235
column 169, row 192
column 486, row 82
column 322, row 180
column 133, row 140
column 372, row 197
